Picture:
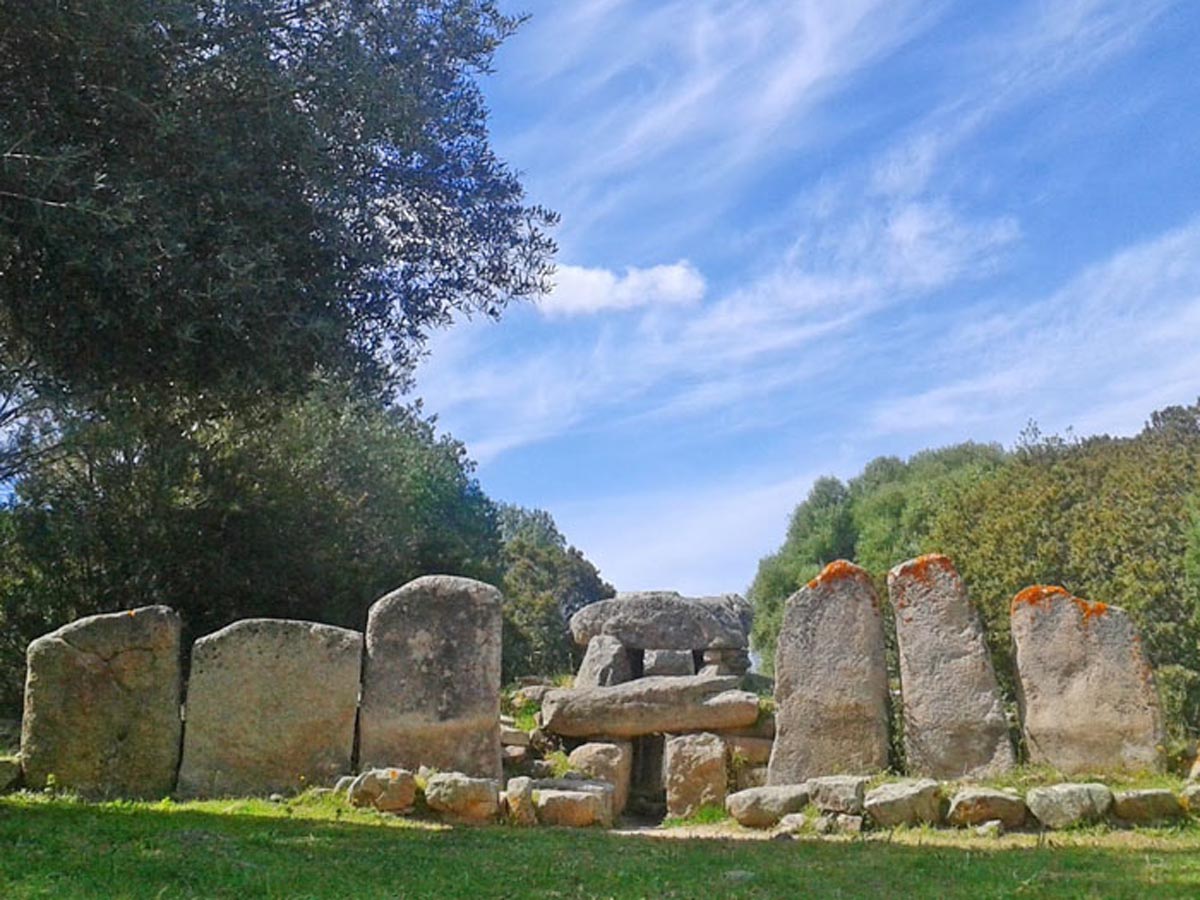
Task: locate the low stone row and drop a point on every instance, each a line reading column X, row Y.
column 845, row 804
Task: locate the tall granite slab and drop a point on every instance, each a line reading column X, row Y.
column 431, row 678
column 831, row 687
column 1084, row 685
column 271, row 705
column 954, row 722
column 102, row 698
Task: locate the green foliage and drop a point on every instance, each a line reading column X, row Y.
column 708, row 814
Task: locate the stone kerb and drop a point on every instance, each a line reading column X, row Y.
column 102, row 705
column 271, row 706
column 1084, row 685
column 954, row 722
column 831, row 688
column 431, row 678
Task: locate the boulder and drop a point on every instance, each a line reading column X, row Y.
column 916, row 802
column 518, row 795
column 387, row 790
column 431, row 678
column 102, row 698
column 1139, row 807
column 954, row 722
column 978, row 806
column 763, row 807
column 570, row 809
column 668, row 662
column 838, row 793
column 1084, row 685
column 649, row 706
column 1063, row 805
column 608, row 762
column 10, row 774
column 271, row 705
column 694, row 772
column 605, row 663
column 460, row 798
column 831, row 687
column 665, row 620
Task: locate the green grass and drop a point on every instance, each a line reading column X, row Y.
column 709, row 814
column 314, row 847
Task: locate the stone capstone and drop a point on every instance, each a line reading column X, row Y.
column 1062, row 805
column 916, row 802
column 838, row 793
column 763, row 807
column 668, row 662
column 649, row 706
column 1084, row 685
column 431, row 678
column 666, row 620
column 831, row 687
column 518, row 796
column 954, row 722
column 460, row 798
column 977, row 806
column 1146, row 806
column 387, row 790
column 102, row 699
column 608, row 762
column 694, row 773
column 605, row 663
column 271, row 705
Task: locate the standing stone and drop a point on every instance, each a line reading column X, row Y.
column 102, row 705
column 831, row 689
column 1084, row 685
column 610, row 762
column 605, row 663
column 669, row 662
column 518, row 797
column 694, row 772
column 270, row 708
column 954, row 722
column 431, row 678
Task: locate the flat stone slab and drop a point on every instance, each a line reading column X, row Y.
column 431, row 678
column 954, row 722
column 649, row 706
column 102, row 699
column 917, row 802
column 978, row 806
column 1063, row 805
column 570, row 809
column 1146, row 806
column 1085, row 686
column 271, row 705
column 666, row 620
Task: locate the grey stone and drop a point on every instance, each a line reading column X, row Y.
column 611, row 762
column 1146, row 806
column 977, row 806
column 746, row 777
column 431, row 678
column 793, row 823
column 831, row 690
column 570, row 809
column 605, row 663
column 513, row 737
column 749, row 751
column 518, row 795
column 765, row 806
column 1063, row 805
column 387, row 790
column 649, row 706
column 271, row 705
column 460, row 798
column 825, row 824
column 10, row 774
column 1084, row 685
column 726, row 662
column 954, row 722
column 668, row 662
column 838, row 793
column 905, row 803
column 1190, row 798
column 102, row 699
column 694, row 772
column 848, row 824
column 665, row 620
column 993, row 828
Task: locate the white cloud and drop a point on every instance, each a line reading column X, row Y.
column 580, row 291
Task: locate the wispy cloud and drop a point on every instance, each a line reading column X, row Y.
column 580, row 291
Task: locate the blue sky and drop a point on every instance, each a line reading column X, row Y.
column 799, row 234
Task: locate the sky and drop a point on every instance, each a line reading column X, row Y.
column 800, row 234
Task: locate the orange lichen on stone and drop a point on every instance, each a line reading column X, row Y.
column 1042, row 595
column 1090, row 610
column 835, row 571
column 923, row 567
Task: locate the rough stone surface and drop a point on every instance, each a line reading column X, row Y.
column 765, row 806
column 726, row 662
column 746, row 777
column 906, row 803
column 793, row 823
column 668, row 662
column 10, row 774
column 1061, row 805
column 431, row 678
column 831, row 688
column 666, row 620
column 649, row 706
column 749, row 751
column 518, row 795
column 978, row 806
column 1084, row 685
column 838, row 793
column 1190, row 798
column 695, row 773
column 513, row 737
column 102, row 699
column 954, row 722
column 605, row 663
column 570, row 809
column 387, row 790
column 460, row 798
column 1146, row 806
column 271, row 705
column 609, row 762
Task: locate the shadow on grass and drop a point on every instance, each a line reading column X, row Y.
column 80, row 850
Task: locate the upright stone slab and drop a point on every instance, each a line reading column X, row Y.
column 831, row 702
column 431, row 678
column 270, row 708
column 1084, row 685
column 102, row 705
column 605, row 663
column 695, row 773
column 954, row 723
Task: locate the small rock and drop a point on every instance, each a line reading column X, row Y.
column 513, row 737
column 571, row 809
column 763, row 807
column 387, row 790
column 977, row 806
column 1146, row 806
column 514, row 757
column 793, row 823
column 277, row 798
column 463, row 799
column 825, row 824
column 519, row 794
column 739, row 875
column 1062, row 805
column 906, row 803
column 993, row 829
column 541, row 768
column 849, row 824
column 839, row 793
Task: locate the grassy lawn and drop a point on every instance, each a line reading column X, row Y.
column 314, row 847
